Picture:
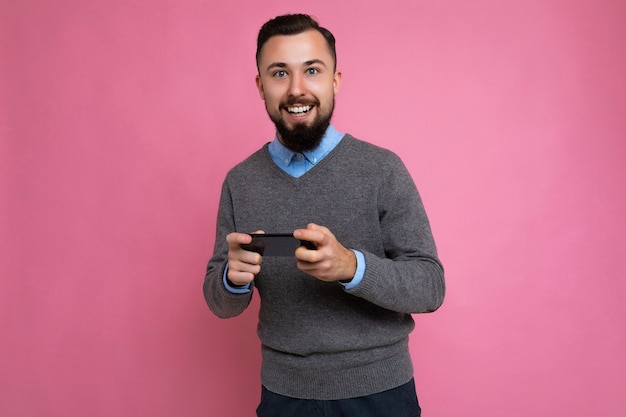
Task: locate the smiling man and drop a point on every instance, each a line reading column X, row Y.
column 298, row 81
column 336, row 314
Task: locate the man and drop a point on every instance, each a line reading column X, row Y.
column 334, row 319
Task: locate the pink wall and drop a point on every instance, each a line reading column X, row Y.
column 120, row 118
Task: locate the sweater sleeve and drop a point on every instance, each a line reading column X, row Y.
column 409, row 277
column 222, row 302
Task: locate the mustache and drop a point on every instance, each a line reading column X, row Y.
column 299, row 100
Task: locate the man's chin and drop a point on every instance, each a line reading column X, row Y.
column 297, row 125
column 302, row 138
column 302, row 135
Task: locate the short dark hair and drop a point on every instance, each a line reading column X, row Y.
column 293, row 24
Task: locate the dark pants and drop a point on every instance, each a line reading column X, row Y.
column 397, row 402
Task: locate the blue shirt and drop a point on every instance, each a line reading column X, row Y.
column 297, row 164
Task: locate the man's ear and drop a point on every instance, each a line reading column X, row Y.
column 336, row 81
column 259, row 86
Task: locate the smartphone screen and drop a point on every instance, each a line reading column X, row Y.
column 274, row 244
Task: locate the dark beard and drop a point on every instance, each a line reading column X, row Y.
column 302, row 137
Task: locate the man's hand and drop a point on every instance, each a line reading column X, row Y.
column 331, row 261
column 243, row 265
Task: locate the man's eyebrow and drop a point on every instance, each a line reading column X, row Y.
column 306, row 64
column 315, row 61
column 276, row 65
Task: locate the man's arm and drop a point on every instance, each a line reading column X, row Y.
column 241, row 266
column 409, row 277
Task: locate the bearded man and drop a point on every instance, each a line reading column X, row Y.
column 335, row 316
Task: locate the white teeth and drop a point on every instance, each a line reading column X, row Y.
column 298, row 110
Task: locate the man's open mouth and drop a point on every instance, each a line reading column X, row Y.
column 299, row 110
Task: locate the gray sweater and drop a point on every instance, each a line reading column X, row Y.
column 320, row 340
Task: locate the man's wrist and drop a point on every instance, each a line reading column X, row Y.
column 358, row 275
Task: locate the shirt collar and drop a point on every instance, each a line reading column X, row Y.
column 330, row 139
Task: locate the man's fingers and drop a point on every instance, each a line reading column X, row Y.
column 241, row 271
column 235, row 239
column 313, row 233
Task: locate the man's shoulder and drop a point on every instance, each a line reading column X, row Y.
column 253, row 161
column 369, row 150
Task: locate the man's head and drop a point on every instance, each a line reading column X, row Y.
column 297, row 78
column 293, row 24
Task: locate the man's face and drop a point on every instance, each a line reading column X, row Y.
column 298, row 82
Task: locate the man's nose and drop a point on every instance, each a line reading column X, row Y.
column 297, row 86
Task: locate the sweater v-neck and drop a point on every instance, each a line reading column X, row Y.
column 311, row 173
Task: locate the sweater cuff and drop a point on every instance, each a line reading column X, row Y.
column 232, row 288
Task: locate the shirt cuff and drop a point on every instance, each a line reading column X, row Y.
column 360, row 271
column 234, row 290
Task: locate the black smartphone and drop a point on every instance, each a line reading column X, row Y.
column 275, row 244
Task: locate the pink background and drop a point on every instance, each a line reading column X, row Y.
column 120, row 119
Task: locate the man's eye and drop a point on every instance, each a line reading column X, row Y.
column 312, row 71
column 280, row 73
